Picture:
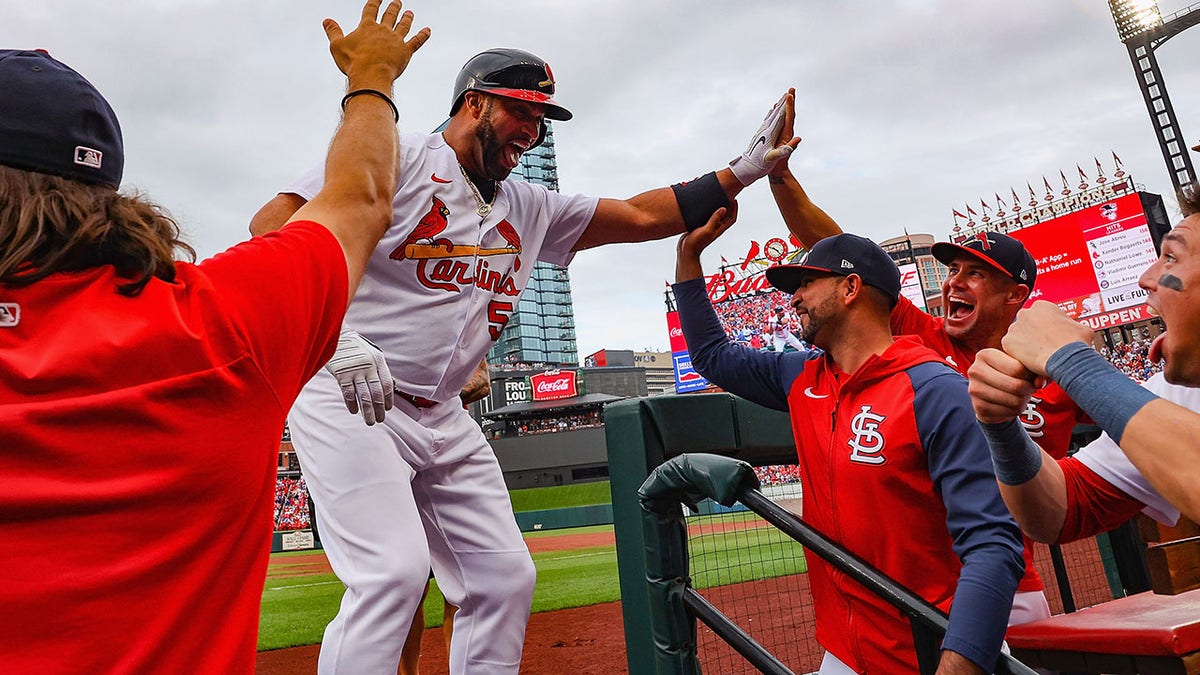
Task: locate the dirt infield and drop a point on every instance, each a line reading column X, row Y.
column 581, row 641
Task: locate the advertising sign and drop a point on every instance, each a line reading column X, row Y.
column 686, row 377
column 553, row 384
column 1089, row 261
column 910, row 285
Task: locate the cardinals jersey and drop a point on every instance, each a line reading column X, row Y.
column 444, row 280
column 896, row 470
column 1050, row 416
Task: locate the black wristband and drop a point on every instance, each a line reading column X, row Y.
column 699, row 198
column 372, row 92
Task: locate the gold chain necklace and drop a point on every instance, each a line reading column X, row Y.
column 484, row 207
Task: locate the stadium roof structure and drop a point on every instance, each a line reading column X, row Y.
column 523, row 408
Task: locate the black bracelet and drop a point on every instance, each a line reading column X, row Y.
column 372, row 92
column 699, row 198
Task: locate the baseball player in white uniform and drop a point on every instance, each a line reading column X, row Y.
column 423, row 488
column 778, row 325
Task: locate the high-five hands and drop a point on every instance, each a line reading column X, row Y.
column 770, row 144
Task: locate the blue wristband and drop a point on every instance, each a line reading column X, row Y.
column 1096, row 386
column 1016, row 458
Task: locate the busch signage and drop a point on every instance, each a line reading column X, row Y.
column 553, row 384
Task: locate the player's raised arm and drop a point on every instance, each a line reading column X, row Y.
column 360, row 171
column 688, row 205
column 807, row 221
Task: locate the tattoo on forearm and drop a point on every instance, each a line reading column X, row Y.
column 774, row 180
column 1171, row 281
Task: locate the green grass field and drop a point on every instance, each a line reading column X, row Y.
column 296, row 609
column 560, row 496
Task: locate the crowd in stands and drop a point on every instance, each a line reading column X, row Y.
column 745, row 318
column 1133, row 359
column 291, row 504
column 548, row 425
column 778, row 474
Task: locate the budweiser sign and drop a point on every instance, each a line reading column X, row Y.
column 554, row 384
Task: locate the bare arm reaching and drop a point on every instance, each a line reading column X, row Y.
column 360, row 173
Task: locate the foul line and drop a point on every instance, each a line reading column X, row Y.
column 315, row 583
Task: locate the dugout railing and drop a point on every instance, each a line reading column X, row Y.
column 643, row 433
column 675, row 605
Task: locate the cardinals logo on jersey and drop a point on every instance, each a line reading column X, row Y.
column 513, row 240
column 429, row 226
column 440, row 261
column 867, row 445
column 1033, row 421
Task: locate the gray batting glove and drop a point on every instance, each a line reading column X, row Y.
column 363, row 374
column 760, row 156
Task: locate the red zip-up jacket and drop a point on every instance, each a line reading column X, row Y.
column 895, row 469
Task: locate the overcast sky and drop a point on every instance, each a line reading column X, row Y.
column 908, row 109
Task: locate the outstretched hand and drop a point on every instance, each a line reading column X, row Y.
column 376, row 52
column 786, row 141
column 771, row 144
column 692, row 244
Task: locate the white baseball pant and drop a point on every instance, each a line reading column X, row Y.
column 420, row 489
column 788, row 338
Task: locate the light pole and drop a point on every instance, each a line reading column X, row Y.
column 1142, row 28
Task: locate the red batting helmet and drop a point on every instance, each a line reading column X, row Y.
column 511, row 73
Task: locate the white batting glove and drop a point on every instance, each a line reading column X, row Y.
column 761, row 155
column 364, row 376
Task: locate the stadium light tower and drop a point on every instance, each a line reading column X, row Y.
column 1142, row 28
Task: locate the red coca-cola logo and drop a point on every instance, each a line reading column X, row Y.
column 554, row 384
column 676, row 331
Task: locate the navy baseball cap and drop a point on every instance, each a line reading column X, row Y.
column 996, row 249
column 54, row 121
column 843, row 255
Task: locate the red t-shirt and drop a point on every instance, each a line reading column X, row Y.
column 138, row 443
column 1049, row 418
column 1093, row 504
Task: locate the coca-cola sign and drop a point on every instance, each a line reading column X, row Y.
column 678, row 344
column 554, row 384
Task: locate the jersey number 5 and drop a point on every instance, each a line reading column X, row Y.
column 498, row 313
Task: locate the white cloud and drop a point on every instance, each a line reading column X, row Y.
column 907, row 109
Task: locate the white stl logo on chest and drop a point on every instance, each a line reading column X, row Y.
column 867, row 445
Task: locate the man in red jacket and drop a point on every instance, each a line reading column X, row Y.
column 893, row 466
column 990, row 278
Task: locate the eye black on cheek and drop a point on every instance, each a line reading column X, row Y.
column 1171, row 281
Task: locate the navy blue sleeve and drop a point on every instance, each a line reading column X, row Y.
column 986, row 538
column 762, row 377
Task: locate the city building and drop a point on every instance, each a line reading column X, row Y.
column 916, row 249
column 660, row 373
